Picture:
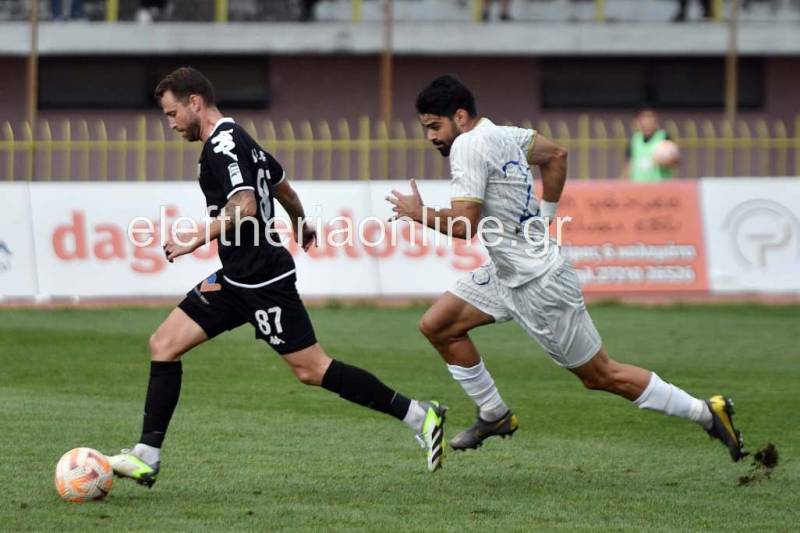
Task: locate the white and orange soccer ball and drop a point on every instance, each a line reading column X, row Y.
column 82, row 475
column 666, row 153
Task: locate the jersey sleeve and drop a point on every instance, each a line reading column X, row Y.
column 230, row 162
column 276, row 172
column 524, row 138
column 469, row 170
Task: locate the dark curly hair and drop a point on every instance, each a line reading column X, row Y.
column 444, row 96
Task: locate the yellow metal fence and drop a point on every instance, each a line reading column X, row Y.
column 145, row 150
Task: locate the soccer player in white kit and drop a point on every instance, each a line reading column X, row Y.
column 527, row 279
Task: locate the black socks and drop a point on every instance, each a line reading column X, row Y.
column 162, row 397
column 349, row 382
column 361, row 387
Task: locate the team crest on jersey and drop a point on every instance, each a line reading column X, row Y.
column 223, row 144
column 517, row 170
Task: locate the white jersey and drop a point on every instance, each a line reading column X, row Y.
column 489, row 165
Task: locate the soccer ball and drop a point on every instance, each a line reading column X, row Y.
column 666, row 154
column 82, row 475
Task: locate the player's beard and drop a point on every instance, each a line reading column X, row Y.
column 192, row 131
column 444, row 149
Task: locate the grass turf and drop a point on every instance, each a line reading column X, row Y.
column 251, row 449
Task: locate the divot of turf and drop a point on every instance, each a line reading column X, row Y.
column 764, row 461
column 767, row 457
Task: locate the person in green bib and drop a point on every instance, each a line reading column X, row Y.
column 640, row 154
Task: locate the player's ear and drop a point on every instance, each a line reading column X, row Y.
column 195, row 102
column 460, row 118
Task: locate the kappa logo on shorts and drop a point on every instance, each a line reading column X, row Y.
column 210, row 284
column 275, row 340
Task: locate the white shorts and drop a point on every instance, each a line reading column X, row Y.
column 549, row 308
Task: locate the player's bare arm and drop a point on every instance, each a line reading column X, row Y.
column 459, row 220
column 552, row 162
column 304, row 233
column 240, row 206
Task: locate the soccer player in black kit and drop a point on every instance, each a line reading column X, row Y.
column 256, row 284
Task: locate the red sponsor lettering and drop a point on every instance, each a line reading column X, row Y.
column 69, row 240
column 108, row 242
column 112, row 247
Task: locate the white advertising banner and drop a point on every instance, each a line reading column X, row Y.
column 752, row 234
column 83, row 247
column 17, row 264
column 72, row 239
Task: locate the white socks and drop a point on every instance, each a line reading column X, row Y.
column 668, row 399
column 415, row 416
column 146, row 453
column 479, row 385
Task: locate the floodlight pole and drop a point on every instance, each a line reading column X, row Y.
column 386, row 63
column 32, row 88
column 731, row 67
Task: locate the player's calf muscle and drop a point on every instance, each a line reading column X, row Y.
column 603, row 373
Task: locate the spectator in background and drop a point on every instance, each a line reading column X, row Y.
column 67, row 9
column 644, row 154
column 307, row 10
column 150, row 10
column 505, row 6
column 684, row 4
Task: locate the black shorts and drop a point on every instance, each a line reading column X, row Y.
column 276, row 311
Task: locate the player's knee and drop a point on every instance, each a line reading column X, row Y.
column 155, row 345
column 438, row 332
column 160, row 348
column 431, row 329
column 308, row 375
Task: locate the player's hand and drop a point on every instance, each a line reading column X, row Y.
column 409, row 206
column 182, row 245
column 308, row 237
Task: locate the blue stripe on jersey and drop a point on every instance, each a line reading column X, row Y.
column 526, row 214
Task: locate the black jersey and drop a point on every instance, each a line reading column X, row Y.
column 231, row 162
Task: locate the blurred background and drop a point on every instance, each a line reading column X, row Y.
column 328, row 86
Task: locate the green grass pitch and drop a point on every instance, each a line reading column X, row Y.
column 251, row 449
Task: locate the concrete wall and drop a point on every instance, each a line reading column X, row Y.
column 346, row 86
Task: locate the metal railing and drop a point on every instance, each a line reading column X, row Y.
column 145, row 150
